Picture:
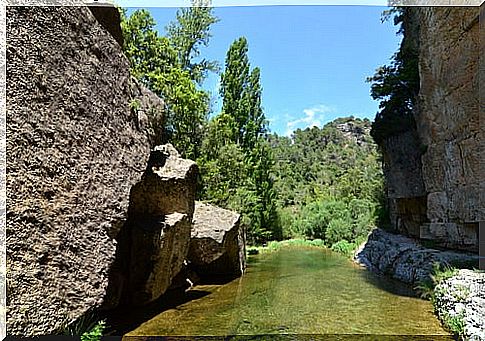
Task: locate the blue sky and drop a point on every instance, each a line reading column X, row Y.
column 313, row 59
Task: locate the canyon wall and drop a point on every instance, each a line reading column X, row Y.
column 433, row 171
column 75, row 149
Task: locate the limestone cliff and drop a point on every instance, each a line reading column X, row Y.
column 75, row 149
column 433, row 171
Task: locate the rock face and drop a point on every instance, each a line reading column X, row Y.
column 217, row 245
column 155, row 240
column 109, row 18
column 435, row 190
column 75, row 149
column 402, row 258
column 463, row 297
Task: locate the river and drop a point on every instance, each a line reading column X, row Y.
column 304, row 291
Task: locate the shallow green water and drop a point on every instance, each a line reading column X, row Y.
column 299, row 291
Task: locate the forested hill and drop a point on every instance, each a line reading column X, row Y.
column 328, row 180
column 321, row 183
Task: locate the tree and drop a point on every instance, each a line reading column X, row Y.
column 156, row 62
column 234, row 82
column 255, row 126
column 396, row 85
column 188, row 33
column 239, row 130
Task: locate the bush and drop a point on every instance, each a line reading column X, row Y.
column 343, row 247
column 338, row 230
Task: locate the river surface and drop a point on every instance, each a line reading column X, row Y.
column 299, row 290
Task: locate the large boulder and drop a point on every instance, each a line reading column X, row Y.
column 75, row 149
column 218, row 243
column 154, row 242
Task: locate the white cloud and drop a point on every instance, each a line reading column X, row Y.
column 313, row 118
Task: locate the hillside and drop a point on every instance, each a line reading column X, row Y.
column 334, row 168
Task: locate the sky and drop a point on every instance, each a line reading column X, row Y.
column 314, row 60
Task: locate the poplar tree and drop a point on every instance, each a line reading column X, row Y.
column 188, row 33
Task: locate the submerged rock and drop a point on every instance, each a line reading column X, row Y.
column 218, row 243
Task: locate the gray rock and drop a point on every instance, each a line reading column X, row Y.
column 109, row 17
column 463, row 296
column 437, row 164
column 403, row 258
column 218, row 243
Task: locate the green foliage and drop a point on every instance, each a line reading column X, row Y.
column 95, row 333
column 297, row 242
column 165, row 66
column 236, row 163
column 343, row 247
column 439, row 273
column 188, row 33
column 455, row 323
column 88, row 327
column 329, row 185
column 396, row 86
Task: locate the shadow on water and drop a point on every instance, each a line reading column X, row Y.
column 390, row 285
column 123, row 319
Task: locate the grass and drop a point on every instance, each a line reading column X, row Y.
column 439, row 273
column 428, row 290
column 276, row 245
column 95, row 333
column 455, row 323
column 88, row 327
column 342, row 247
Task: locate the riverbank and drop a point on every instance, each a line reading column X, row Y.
column 459, row 301
column 343, row 247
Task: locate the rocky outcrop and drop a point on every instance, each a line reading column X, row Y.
column 109, row 18
column 462, row 298
column 217, row 245
column 404, row 259
column 436, row 195
column 155, row 240
column 75, row 149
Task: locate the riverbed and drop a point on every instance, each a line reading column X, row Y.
column 303, row 291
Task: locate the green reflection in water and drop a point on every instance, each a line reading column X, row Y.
column 299, row 290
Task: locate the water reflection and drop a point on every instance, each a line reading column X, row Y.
column 300, row 294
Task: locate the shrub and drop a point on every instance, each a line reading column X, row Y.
column 343, row 247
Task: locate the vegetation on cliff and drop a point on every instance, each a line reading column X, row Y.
column 396, row 85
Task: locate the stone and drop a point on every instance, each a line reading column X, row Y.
column 437, row 207
column 402, row 166
column 463, row 295
column 154, row 242
column 158, row 249
column 74, row 152
column 109, row 18
column 218, row 243
column 448, row 131
column 403, row 258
